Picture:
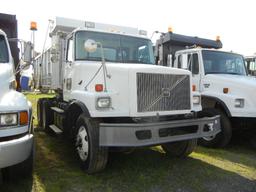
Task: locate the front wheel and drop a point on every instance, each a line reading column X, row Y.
column 180, row 148
column 221, row 139
column 93, row 158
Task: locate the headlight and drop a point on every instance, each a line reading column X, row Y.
column 196, row 99
column 103, row 102
column 9, row 119
column 239, row 103
column 14, row 119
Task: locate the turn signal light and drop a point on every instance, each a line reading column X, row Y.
column 23, row 118
column 225, row 90
column 193, row 87
column 98, row 87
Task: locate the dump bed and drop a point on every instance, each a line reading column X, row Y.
column 172, row 42
column 8, row 24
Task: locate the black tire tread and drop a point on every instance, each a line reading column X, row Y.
column 98, row 156
column 223, row 138
column 184, row 148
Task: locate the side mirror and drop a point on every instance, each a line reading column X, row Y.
column 90, row 46
column 169, row 60
column 27, row 55
column 26, row 58
column 184, row 64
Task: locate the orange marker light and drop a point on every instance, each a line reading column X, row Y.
column 98, row 87
column 193, row 87
column 170, row 30
column 23, row 118
column 33, row 26
column 218, row 38
column 225, row 90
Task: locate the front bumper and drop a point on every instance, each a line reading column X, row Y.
column 148, row 134
column 16, row 150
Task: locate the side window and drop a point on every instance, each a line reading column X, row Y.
column 69, row 56
column 195, row 64
column 192, row 63
column 179, row 61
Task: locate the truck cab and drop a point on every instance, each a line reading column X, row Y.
column 16, row 129
column 221, row 78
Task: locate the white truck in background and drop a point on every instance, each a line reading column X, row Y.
column 110, row 95
column 221, row 78
column 16, row 129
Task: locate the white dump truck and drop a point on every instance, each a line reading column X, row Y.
column 110, row 95
column 221, row 78
column 16, row 129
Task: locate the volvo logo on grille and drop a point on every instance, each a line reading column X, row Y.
column 166, row 92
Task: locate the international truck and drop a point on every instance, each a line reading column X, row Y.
column 110, row 95
column 16, row 129
column 221, row 78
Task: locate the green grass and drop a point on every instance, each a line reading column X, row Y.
column 146, row 169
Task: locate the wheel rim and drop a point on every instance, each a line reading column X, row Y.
column 82, row 144
column 209, row 138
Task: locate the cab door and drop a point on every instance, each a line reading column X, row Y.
column 69, row 61
column 190, row 61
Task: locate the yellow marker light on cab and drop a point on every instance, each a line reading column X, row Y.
column 33, row 26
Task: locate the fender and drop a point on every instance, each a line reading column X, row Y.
column 218, row 101
column 79, row 104
column 74, row 109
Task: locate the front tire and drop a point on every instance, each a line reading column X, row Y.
column 221, row 139
column 93, row 158
column 180, row 148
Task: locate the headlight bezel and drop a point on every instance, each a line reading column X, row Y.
column 196, row 100
column 102, row 107
column 239, row 102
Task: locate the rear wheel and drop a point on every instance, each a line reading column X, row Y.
column 93, row 158
column 221, row 139
column 180, row 148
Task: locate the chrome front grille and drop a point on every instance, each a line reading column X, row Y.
column 162, row 92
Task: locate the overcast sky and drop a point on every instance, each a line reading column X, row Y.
column 234, row 21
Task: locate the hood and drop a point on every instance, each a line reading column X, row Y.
column 238, row 85
column 238, row 80
column 6, row 76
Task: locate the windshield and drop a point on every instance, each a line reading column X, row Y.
column 223, row 62
column 4, row 58
column 117, row 48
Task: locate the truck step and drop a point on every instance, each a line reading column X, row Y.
column 55, row 129
column 58, row 110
